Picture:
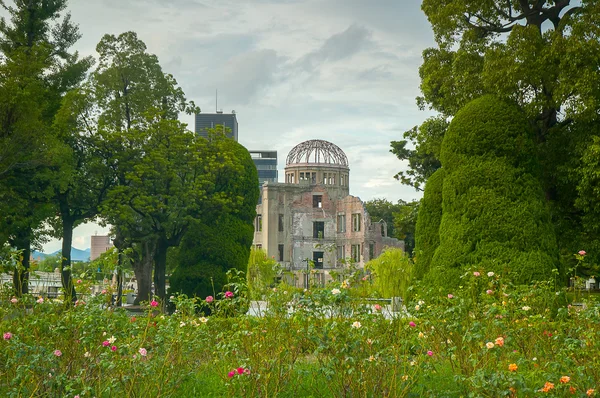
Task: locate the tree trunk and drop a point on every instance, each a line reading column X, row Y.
column 65, row 264
column 21, row 275
column 160, row 267
column 118, row 243
column 142, row 267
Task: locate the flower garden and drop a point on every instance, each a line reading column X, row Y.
column 486, row 338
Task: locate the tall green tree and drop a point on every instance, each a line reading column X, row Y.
column 24, row 209
column 37, row 69
column 81, row 181
column 541, row 55
column 220, row 239
column 135, row 99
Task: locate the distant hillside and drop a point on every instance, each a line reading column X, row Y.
column 76, row 254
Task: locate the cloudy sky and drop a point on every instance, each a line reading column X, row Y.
column 341, row 70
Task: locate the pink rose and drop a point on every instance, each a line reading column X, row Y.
column 450, row 296
column 209, row 299
column 430, row 353
column 476, row 273
column 377, row 307
column 57, row 353
column 582, row 252
column 7, row 336
column 113, row 348
column 14, row 300
column 231, row 374
column 105, row 343
column 240, row 370
column 228, row 294
column 489, row 291
column 412, row 324
column 154, row 303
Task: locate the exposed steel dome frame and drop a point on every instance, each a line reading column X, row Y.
column 317, row 152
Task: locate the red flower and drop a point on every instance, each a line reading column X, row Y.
column 240, row 370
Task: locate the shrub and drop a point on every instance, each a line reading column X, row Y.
column 494, row 212
column 427, row 232
column 207, row 252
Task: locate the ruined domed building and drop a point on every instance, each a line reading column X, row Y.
column 313, row 218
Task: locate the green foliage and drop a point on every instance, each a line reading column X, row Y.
column 319, row 342
column 400, row 218
column 489, row 128
column 160, row 167
column 262, row 272
column 540, row 55
column 37, row 72
column 383, row 209
column 107, row 262
column 493, row 209
column 392, row 273
column 220, row 240
column 405, row 222
column 427, row 230
column 207, row 252
column 423, row 161
column 48, row 264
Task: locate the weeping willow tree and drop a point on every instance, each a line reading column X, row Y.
column 262, row 271
column 391, row 273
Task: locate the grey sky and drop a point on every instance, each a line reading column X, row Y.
column 341, row 70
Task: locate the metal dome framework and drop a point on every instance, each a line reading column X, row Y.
column 317, row 151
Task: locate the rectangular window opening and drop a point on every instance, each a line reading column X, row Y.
column 258, row 224
column 281, row 223
column 280, row 252
column 318, row 260
column 356, row 222
column 317, row 201
column 341, row 253
column 341, row 223
column 318, row 229
column 355, row 253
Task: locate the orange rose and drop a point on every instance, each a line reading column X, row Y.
column 513, row 367
column 565, row 379
column 547, row 387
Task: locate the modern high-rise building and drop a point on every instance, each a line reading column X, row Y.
column 266, row 165
column 206, row 121
column 100, row 244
